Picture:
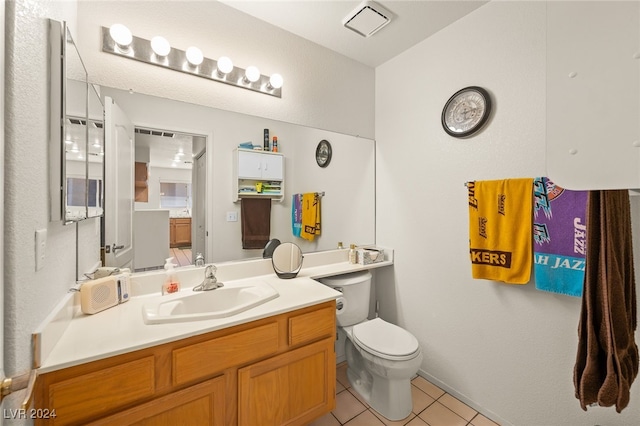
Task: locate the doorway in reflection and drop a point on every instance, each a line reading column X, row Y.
column 170, row 180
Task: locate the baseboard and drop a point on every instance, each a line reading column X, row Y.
column 448, row 389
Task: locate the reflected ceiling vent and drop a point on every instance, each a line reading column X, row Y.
column 367, row 19
column 154, row 132
column 83, row 122
column 77, row 121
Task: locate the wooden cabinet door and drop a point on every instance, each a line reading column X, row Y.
column 202, row 404
column 172, row 232
column 141, row 185
column 182, row 232
column 293, row 388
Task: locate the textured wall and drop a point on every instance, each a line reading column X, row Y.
column 30, row 294
column 322, row 89
column 508, row 350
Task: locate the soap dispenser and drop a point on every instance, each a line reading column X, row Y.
column 171, row 282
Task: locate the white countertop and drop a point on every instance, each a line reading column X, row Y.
column 65, row 342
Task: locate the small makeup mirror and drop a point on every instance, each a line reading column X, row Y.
column 287, row 260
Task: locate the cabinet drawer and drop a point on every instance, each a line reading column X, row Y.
column 213, row 356
column 102, row 391
column 313, row 325
column 201, row 404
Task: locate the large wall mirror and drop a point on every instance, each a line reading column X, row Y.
column 203, row 139
column 76, row 137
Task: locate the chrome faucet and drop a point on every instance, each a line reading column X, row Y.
column 199, row 260
column 210, row 281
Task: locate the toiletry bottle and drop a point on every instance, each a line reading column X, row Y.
column 266, row 140
column 275, row 144
column 352, row 254
column 340, row 246
column 171, row 282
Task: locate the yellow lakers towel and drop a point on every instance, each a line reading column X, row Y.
column 310, row 216
column 500, row 229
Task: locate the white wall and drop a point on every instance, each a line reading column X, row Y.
column 321, row 88
column 507, row 350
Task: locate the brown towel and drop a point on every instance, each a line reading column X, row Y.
column 255, row 214
column 607, row 359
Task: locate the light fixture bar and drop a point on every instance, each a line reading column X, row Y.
column 140, row 50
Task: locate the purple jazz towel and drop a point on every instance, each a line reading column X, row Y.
column 559, row 234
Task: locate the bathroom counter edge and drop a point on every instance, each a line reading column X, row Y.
column 64, row 342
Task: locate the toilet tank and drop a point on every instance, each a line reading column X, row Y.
column 353, row 307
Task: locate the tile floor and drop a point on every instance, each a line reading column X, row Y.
column 431, row 406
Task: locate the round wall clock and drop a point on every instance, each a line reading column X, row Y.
column 323, row 153
column 466, row 111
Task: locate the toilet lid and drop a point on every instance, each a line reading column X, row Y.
column 385, row 339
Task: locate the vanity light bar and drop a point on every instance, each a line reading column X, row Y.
column 140, row 50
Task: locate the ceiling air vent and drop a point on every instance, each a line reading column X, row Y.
column 367, row 19
column 154, row 132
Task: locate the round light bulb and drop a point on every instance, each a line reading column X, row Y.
column 194, row 56
column 121, row 35
column 160, row 46
column 252, row 74
column 276, row 81
column 225, row 66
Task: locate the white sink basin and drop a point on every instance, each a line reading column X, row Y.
column 222, row 302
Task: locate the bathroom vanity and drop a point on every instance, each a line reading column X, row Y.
column 277, row 370
column 270, row 364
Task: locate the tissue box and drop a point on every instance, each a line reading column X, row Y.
column 369, row 256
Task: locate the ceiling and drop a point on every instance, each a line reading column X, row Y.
column 164, row 146
column 320, row 21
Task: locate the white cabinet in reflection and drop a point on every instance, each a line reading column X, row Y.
column 258, row 174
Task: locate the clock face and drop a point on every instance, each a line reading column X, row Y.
column 323, row 153
column 466, row 111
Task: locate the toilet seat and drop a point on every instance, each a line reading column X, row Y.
column 385, row 340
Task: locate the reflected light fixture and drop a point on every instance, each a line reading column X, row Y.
column 194, row 56
column 160, row 46
column 225, row 66
column 119, row 41
column 252, row 74
column 275, row 82
column 121, row 35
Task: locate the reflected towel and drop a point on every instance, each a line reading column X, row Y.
column 559, row 235
column 255, row 214
column 310, row 216
column 607, row 358
column 500, row 229
column 296, row 214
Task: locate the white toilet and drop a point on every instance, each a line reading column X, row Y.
column 381, row 357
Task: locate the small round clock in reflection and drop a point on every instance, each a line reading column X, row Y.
column 323, row 153
column 466, row 111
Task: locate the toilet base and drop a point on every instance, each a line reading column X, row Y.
column 391, row 397
column 379, row 396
